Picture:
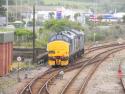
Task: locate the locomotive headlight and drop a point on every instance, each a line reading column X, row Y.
column 51, row 52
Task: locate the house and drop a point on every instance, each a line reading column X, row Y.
column 119, row 15
column 2, row 21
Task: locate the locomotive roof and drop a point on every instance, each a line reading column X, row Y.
column 69, row 34
column 58, row 36
column 66, row 35
column 77, row 32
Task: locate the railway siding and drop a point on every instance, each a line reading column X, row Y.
column 87, row 82
column 71, row 68
column 105, row 80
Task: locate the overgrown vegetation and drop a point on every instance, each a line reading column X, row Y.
column 23, row 37
column 99, row 5
column 60, row 25
column 6, row 29
column 123, row 19
column 54, row 26
column 23, row 32
column 104, row 33
column 93, row 32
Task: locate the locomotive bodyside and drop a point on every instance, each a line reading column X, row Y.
column 80, row 41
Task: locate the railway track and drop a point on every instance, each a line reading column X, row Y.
column 39, row 85
column 42, row 78
column 102, row 47
column 70, row 84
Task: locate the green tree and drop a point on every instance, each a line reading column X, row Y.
column 76, row 15
column 11, row 2
column 60, row 25
column 41, row 2
column 123, row 19
column 51, row 14
column 67, row 17
column 2, row 9
column 23, row 32
column 2, row 2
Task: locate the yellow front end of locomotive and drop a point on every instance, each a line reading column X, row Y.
column 58, row 53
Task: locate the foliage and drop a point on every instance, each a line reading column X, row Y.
column 67, row 17
column 59, row 25
column 42, row 37
column 23, row 38
column 99, row 36
column 23, row 32
column 76, row 15
column 23, row 65
column 11, row 18
column 6, row 29
column 104, row 33
column 51, row 14
column 53, row 26
column 10, row 2
column 101, row 5
column 123, row 19
column 2, row 10
column 2, row 2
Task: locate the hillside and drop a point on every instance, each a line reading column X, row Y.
column 98, row 5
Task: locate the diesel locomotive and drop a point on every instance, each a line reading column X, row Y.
column 63, row 48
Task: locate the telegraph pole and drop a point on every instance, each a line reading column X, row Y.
column 34, row 33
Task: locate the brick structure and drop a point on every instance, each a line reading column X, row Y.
column 6, row 47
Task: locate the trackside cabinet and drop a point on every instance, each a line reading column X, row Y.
column 6, row 48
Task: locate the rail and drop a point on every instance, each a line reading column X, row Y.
column 44, row 85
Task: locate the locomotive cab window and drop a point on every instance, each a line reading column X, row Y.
column 53, row 38
column 59, row 37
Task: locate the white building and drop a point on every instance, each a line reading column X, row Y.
column 119, row 15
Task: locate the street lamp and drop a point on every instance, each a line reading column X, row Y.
column 16, row 9
column 7, row 13
column 21, row 8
